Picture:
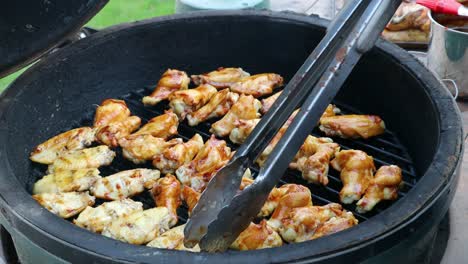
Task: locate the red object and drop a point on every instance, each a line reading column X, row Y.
column 449, row 7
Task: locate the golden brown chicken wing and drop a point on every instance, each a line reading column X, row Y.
column 242, row 129
column 111, row 111
column 214, row 155
column 410, row 16
column 67, row 181
column 268, row 102
column 245, row 108
column 336, row 224
column 144, row 147
column 331, row 110
column 172, row 239
column 384, row 186
column 83, row 159
column 162, row 126
column 258, row 85
column 75, row 139
column 66, row 204
column 191, row 197
column 181, row 154
column 187, row 101
column 166, row 192
column 357, row 171
column 352, row 126
column 257, row 236
column 171, row 81
column 218, row 106
column 221, row 78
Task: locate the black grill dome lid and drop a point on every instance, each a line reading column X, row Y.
column 30, row 28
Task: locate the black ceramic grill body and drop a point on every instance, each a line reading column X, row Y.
column 59, row 89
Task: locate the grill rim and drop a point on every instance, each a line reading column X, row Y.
column 45, row 229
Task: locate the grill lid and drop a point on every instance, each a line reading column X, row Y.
column 30, row 28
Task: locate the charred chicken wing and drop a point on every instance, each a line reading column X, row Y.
column 221, row 78
column 384, row 186
column 166, row 192
column 75, row 139
column 162, row 126
column 258, row 85
column 171, row 81
column 172, row 239
column 144, row 147
column 67, row 181
column 187, row 101
column 352, row 126
column 83, row 159
column 95, row 219
column 218, row 106
column 257, row 236
column 181, row 154
column 357, row 171
column 65, row 204
column 124, row 184
column 245, row 108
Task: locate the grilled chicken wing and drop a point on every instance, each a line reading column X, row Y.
column 331, row 110
column 144, row 147
column 113, row 121
column 245, row 108
column 352, row 126
column 162, row 126
column 166, row 192
column 75, row 139
column 191, row 197
column 187, row 101
column 257, row 236
column 268, row 102
column 95, row 219
column 336, row 224
column 83, row 159
column 218, row 106
column 357, row 170
column 258, row 85
column 171, row 81
column 172, row 158
column 65, row 204
column 410, row 16
column 214, row 155
column 172, row 239
column 221, row 78
column 384, row 186
column 242, row 129
column 124, row 184
column 67, row 181
column 140, row 227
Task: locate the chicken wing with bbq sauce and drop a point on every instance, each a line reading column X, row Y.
column 257, row 236
column 67, row 181
column 352, row 126
column 384, row 186
column 181, row 154
column 83, row 159
column 75, row 139
column 111, row 111
column 162, row 126
column 242, row 129
column 187, row 101
column 245, row 108
column 172, row 239
column 166, row 192
column 171, row 81
column 218, row 106
column 357, row 171
column 124, row 184
column 220, row 78
column 144, row 147
column 258, row 85
column 336, row 224
column 66, row 204
column 191, row 197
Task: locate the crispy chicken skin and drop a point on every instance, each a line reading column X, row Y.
column 218, row 106
column 268, row 102
column 187, row 101
column 96, row 218
column 336, row 224
column 245, row 108
column 242, row 129
column 172, row 239
column 162, row 126
column 111, row 133
column 384, row 186
column 258, row 85
column 143, row 147
column 111, row 111
column 140, row 227
column 357, row 171
column 171, row 81
column 196, row 174
column 352, row 126
column 221, row 78
column 124, row 184
column 66, row 204
column 181, row 154
column 67, row 181
column 75, row 139
column 166, row 192
column 191, row 197
column 83, row 159
column 257, row 236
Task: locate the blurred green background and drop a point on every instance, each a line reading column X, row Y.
column 115, row 12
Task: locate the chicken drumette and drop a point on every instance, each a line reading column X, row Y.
column 171, row 81
column 221, row 78
column 166, row 192
column 352, row 126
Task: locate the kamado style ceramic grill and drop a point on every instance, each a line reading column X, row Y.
column 59, row 92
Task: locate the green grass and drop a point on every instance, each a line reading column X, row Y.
column 115, row 12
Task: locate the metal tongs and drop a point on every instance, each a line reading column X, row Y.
column 223, row 212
